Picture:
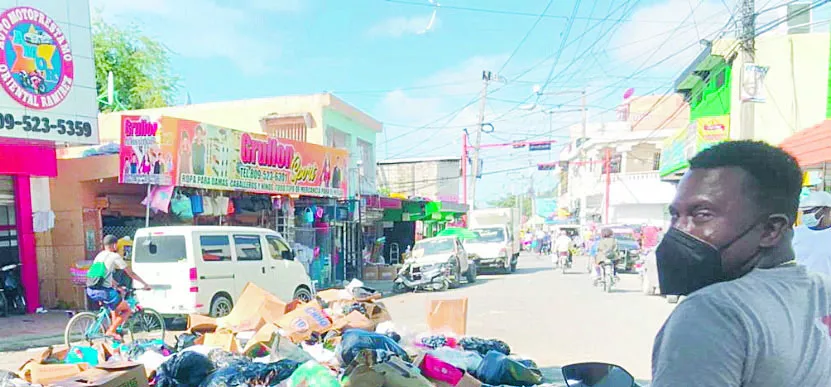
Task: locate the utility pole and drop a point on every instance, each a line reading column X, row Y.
column 584, row 121
column 607, row 164
column 748, row 53
column 486, row 78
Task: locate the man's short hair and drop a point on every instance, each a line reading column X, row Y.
column 776, row 176
column 110, row 240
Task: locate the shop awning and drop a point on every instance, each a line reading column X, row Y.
column 811, row 146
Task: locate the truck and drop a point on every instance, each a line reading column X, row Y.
column 497, row 243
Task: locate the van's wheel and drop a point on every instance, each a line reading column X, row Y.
column 303, row 294
column 221, row 306
column 471, row 273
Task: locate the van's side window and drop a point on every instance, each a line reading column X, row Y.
column 276, row 246
column 215, row 248
column 249, row 247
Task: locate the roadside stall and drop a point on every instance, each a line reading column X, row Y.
column 208, row 175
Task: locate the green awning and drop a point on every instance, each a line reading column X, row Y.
column 690, row 82
column 709, row 63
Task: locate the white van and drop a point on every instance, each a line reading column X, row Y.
column 203, row 269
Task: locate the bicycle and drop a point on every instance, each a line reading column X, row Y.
column 607, row 275
column 88, row 327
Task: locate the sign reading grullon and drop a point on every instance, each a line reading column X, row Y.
column 171, row 151
column 48, row 80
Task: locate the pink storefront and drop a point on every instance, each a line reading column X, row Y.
column 48, row 99
column 20, row 161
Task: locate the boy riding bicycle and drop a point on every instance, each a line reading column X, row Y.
column 101, row 287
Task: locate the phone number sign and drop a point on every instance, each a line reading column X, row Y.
column 49, row 91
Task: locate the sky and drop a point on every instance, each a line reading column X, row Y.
column 423, row 79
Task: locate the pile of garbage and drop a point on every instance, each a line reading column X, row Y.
column 344, row 337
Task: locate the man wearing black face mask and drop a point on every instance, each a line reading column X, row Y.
column 812, row 240
column 752, row 316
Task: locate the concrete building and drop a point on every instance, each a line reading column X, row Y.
column 436, row 178
column 793, row 94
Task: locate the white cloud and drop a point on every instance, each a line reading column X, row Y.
column 205, row 28
column 397, row 27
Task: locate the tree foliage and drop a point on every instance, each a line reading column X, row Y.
column 511, row 201
column 140, row 67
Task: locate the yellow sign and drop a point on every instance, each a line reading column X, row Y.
column 713, row 130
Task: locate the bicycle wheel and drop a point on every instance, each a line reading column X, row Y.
column 146, row 324
column 84, row 329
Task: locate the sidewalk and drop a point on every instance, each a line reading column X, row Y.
column 41, row 330
column 32, row 330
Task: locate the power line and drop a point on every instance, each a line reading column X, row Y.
column 512, row 13
column 527, row 34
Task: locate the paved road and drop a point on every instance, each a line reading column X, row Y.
column 555, row 319
column 552, row 318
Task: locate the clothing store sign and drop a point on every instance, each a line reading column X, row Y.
column 47, row 75
column 172, row 151
column 146, row 153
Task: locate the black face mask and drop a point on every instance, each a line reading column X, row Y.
column 686, row 263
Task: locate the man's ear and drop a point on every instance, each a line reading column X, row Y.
column 775, row 228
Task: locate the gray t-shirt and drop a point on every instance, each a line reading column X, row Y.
column 768, row 328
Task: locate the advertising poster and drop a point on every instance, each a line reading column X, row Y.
column 48, row 72
column 712, row 130
column 212, row 157
column 147, row 151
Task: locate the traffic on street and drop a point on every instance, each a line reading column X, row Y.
column 415, row 193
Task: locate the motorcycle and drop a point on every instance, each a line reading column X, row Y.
column 12, row 296
column 563, row 261
column 597, row 375
column 607, row 276
column 414, row 276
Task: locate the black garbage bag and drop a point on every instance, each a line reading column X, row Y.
column 224, row 359
column 483, row 346
column 184, row 369
column 498, row 369
column 185, row 340
column 252, row 374
column 434, row 342
column 355, row 340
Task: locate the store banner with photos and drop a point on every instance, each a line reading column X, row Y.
column 172, row 151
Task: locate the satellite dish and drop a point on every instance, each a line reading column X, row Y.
column 628, row 93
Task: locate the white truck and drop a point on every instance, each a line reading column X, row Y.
column 497, row 243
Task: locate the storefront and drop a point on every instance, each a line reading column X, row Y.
column 678, row 149
column 812, row 148
column 49, row 97
column 206, row 174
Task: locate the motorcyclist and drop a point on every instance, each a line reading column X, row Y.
column 606, row 251
column 563, row 244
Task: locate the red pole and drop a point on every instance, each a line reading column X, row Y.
column 464, row 167
column 608, row 164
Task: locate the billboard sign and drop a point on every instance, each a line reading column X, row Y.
column 47, row 74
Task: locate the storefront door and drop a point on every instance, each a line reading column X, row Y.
column 9, row 251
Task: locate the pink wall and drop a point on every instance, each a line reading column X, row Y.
column 23, row 158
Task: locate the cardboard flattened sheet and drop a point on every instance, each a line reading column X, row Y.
column 300, row 323
column 225, row 340
column 198, row 323
column 448, row 315
column 115, row 374
column 254, row 302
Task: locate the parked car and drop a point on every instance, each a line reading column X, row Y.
column 203, row 269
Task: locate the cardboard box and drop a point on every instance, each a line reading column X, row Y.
column 262, row 340
column 36, row 373
column 254, row 302
column 371, row 273
column 225, row 340
column 117, row 374
column 448, row 316
column 300, row 323
column 198, row 323
column 332, row 295
column 387, row 273
column 354, row 320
